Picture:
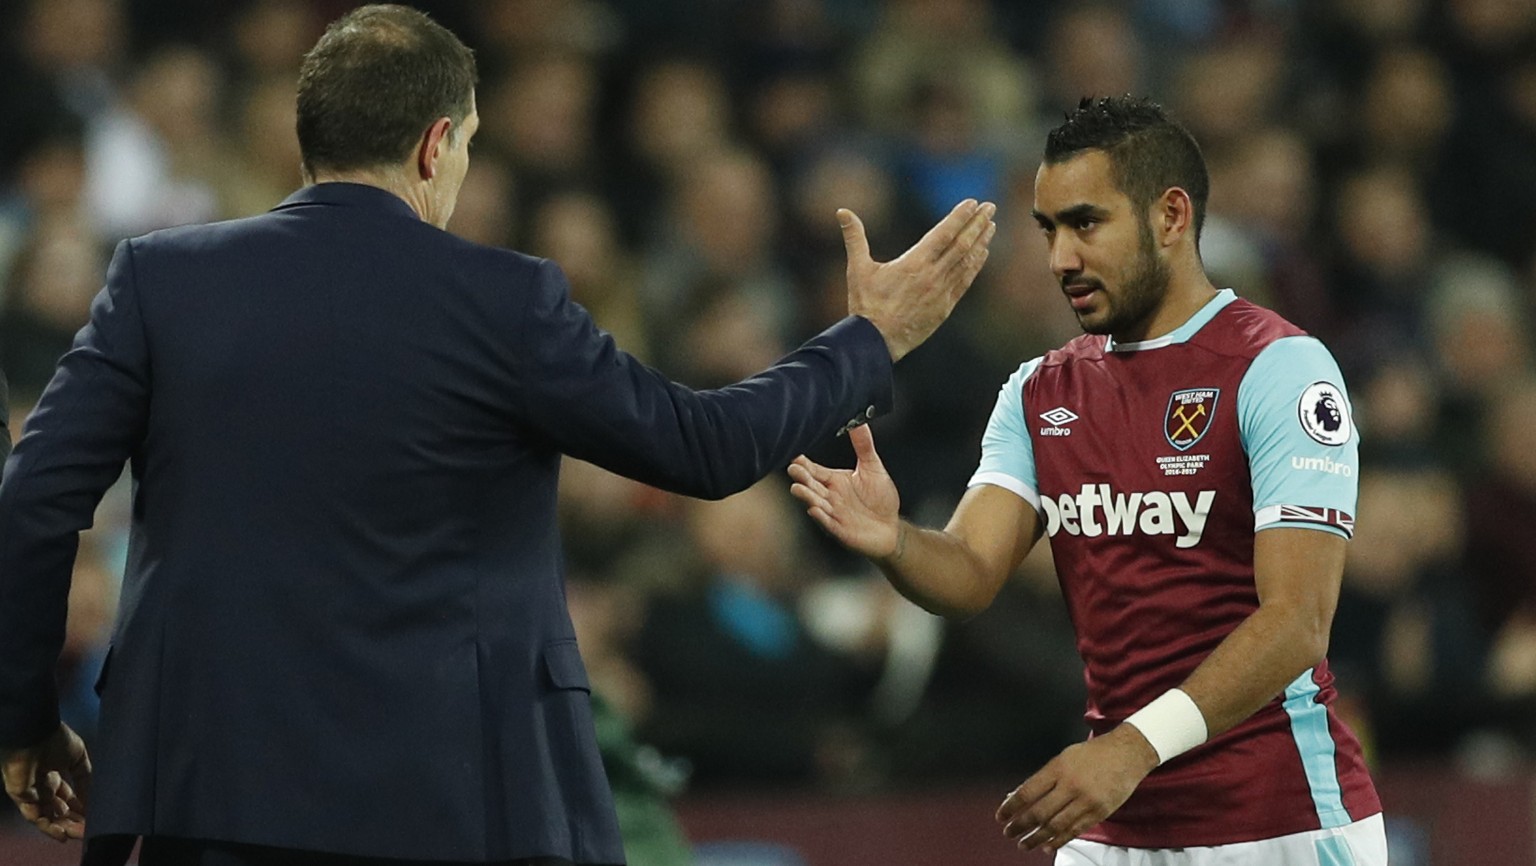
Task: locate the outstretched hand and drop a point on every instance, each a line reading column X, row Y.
column 50, row 783
column 908, row 297
column 858, row 506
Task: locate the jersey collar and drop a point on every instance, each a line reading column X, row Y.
column 1180, row 334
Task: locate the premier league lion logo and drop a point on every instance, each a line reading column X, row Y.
column 1324, row 413
column 1327, row 413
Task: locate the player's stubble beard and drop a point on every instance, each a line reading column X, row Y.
column 1140, row 293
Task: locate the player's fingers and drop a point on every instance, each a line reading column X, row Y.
column 1028, row 793
column 1080, row 822
column 1038, row 815
column 797, row 470
column 825, row 520
column 821, row 473
column 1053, row 832
column 803, row 473
column 811, row 498
column 942, row 236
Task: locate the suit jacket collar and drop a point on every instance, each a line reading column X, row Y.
column 349, row 195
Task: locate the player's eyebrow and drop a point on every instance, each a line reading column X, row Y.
column 1070, row 215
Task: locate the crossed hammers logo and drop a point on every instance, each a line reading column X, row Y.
column 1188, row 424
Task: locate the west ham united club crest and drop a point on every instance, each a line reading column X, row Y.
column 1189, row 415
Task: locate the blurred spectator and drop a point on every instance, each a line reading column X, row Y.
column 1482, row 344
column 1407, row 108
column 1092, row 50
column 1501, row 508
column 1271, row 197
column 579, row 231
column 48, row 299
column 677, row 114
column 1413, row 633
column 1006, row 691
column 268, row 39
column 512, row 29
column 742, row 688
column 487, row 212
column 1229, row 89
column 153, row 158
column 1490, row 51
column 1386, row 257
column 1398, row 402
column 718, row 303
column 77, row 46
column 46, row 190
column 947, row 45
column 539, row 116
column 264, row 165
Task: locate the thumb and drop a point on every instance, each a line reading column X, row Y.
column 864, row 447
column 854, row 240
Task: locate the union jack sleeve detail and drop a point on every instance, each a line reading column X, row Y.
column 1334, row 517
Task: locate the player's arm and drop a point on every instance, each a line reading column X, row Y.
column 955, row 571
column 1298, row 572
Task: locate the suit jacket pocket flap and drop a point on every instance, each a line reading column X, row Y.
column 563, row 662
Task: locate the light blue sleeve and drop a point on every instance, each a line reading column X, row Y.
column 1007, row 455
column 1299, row 433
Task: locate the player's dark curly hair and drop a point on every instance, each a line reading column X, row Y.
column 373, row 84
column 1149, row 151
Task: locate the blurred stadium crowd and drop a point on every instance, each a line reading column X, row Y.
column 1374, row 179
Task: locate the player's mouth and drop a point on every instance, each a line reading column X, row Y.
column 1080, row 294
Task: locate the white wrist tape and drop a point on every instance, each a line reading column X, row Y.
column 1172, row 724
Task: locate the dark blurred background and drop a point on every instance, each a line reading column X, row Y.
column 1374, row 180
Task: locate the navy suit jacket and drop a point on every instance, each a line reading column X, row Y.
column 343, row 623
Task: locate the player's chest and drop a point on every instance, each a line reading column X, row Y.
column 1138, row 425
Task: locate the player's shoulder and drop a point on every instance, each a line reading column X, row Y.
column 1245, row 329
column 1086, row 347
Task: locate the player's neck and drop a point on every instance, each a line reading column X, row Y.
column 1187, row 294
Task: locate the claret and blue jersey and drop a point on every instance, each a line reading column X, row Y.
column 1152, row 465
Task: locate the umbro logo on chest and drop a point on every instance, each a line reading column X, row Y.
column 1058, row 418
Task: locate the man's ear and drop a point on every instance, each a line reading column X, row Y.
column 431, row 147
column 1173, row 216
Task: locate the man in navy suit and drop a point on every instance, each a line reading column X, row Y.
column 343, row 634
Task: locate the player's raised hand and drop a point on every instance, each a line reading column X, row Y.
column 858, row 506
column 908, row 297
column 1079, row 788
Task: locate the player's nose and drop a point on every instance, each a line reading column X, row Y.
column 1065, row 260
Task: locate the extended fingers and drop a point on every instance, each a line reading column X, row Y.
column 1075, row 825
column 942, row 236
column 968, row 239
column 1032, row 825
column 803, row 469
column 963, row 270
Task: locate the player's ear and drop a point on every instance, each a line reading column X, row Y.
column 1173, row 216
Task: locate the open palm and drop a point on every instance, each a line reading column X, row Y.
column 858, row 506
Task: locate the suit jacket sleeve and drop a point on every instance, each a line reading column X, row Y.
column 599, row 404
column 87, row 423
